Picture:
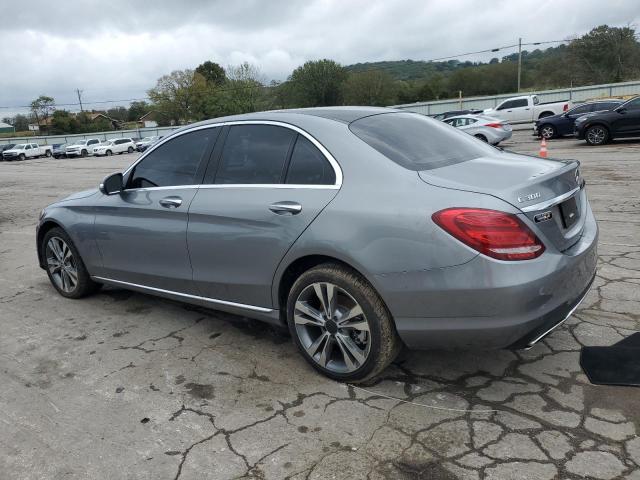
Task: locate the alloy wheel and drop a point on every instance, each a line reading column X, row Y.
column 61, row 264
column 332, row 327
column 547, row 132
column 596, row 135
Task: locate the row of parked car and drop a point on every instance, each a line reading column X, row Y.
column 80, row 148
column 597, row 122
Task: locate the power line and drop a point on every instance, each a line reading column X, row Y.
column 244, row 87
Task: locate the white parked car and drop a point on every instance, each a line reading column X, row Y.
column 23, row 151
column 487, row 129
column 526, row 108
column 118, row 145
column 81, row 148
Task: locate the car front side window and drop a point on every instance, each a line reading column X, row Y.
column 174, row 163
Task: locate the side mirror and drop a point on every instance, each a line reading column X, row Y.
column 112, row 184
column 621, row 109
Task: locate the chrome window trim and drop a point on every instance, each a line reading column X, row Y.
column 332, row 161
column 186, row 295
column 550, row 203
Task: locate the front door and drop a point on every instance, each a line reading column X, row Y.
column 141, row 232
column 269, row 183
column 627, row 123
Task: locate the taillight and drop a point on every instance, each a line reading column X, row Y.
column 566, row 107
column 495, row 234
column 494, row 125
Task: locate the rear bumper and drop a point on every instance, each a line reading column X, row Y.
column 489, row 304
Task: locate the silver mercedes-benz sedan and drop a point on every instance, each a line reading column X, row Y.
column 361, row 229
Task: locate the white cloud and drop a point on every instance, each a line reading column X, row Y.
column 117, row 49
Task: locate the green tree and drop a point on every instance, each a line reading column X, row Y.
column 606, row 54
column 42, row 107
column 137, row 110
column 63, row 122
column 318, row 83
column 373, row 87
column 213, row 73
column 243, row 91
column 118, row 113
column 181, row 96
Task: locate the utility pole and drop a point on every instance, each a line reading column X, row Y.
column 519, row 61
column 79, row 92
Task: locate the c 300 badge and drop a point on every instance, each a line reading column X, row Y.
column 528, row 198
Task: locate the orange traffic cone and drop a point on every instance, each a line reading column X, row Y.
column 543, row 149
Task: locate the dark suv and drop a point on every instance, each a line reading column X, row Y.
column 599, row 128
column 559, row 125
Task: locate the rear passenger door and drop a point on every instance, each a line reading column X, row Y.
column 266, row 183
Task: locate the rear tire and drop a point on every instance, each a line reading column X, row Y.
column 481, row 137
column 65, row 268
column 48, row 153
column 596, row 135
column 353, row 340
column 547, row 131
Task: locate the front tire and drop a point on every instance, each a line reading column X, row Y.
column 109, row 153
column 130, row 150
column 65, row 268
column 340, row 324
column 596, row 135
column 547, row 131
column 83, row 153
column 22, row 157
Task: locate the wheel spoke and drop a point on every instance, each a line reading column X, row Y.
column 325, row 356
column 53, row 264
column 312, row 316
column 361, row 325
column 73, row 276
column 65, row 280
column 55, row 248
column 351, row 348
column 315, row 346
column 353, row 312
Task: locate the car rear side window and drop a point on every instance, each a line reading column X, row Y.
column 309, row 166
column 175, row 162
column 254, row 154
column 417, row 142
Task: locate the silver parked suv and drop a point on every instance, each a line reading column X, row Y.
column 359, row 228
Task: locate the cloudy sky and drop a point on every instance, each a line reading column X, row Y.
column 117, row 49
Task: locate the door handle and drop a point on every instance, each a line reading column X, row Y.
column 171, row 202
column 285, row 208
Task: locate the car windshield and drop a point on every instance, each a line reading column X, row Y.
column 20, row 146
column 417, row 142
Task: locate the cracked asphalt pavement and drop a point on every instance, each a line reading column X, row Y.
column 125, row 385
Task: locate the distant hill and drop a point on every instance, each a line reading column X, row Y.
column 411, row 69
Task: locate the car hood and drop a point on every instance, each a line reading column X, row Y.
column 78, row 195
column 521, row 180
column 12, row 150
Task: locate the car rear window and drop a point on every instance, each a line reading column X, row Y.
column 417, row 142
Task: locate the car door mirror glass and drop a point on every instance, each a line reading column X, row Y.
column 112, row 184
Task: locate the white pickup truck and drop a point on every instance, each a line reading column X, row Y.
column 23, row 151
column 526, row 108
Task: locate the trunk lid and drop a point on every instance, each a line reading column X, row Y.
column 548, row 192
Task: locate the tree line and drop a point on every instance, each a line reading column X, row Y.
column 604, row 55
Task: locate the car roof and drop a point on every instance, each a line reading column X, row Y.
column 338, row 114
